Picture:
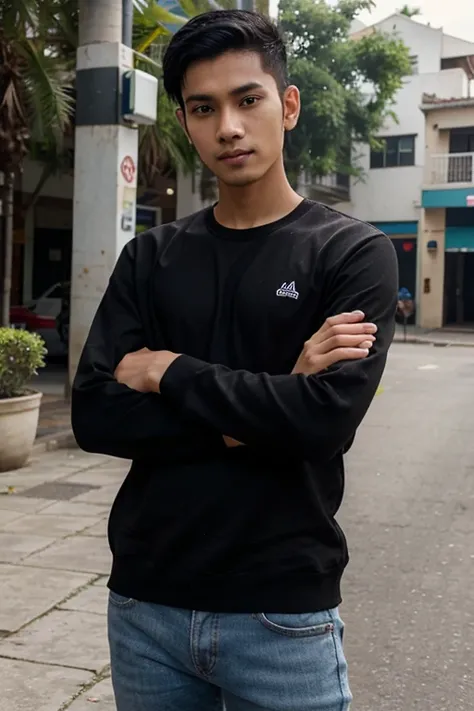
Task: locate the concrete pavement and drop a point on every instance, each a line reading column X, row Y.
column 408, row 592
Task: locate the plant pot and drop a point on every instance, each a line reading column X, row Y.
column 18, row 425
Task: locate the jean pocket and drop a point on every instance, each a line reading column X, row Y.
column 314, row 624
column 120, row 601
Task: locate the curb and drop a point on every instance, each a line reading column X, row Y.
column 63, row 439
column 430, row 342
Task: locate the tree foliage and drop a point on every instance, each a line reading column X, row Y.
column 347, row 85
column 35, row 78
column 409, row 11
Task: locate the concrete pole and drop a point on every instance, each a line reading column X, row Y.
column 105, row 174
column 245, row 5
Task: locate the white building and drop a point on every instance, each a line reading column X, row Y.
column 390, row 194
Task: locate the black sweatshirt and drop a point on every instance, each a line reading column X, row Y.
column 247, row 529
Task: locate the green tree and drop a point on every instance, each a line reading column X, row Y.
column 409, row 11
column 35, row 102
column 347, row 85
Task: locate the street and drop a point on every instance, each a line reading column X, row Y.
column 409, row 518
column 408, row 592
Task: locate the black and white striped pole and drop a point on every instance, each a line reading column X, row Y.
column 112, row 99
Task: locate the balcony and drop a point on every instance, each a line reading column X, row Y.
column 450, row 170
column 328, row 189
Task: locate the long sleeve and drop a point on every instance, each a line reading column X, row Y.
column 107, row 416
column 312, row 416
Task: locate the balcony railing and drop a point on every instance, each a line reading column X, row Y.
column 443, row 168
column 327, row 188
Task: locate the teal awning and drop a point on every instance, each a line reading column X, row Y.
column 459, row 239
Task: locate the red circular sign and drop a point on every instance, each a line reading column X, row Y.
column 127, row 168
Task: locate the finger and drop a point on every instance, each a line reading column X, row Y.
column 341, row 354
column 343, row 341
column 346, row 317
column 350, row 329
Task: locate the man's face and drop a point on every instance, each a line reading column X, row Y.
column 235, row 116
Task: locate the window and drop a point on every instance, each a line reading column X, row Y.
column 396, row 151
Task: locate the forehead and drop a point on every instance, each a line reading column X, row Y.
column 222, row 74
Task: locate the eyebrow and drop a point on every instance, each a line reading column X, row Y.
column 235, row 92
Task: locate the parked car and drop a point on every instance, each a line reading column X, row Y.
column 40, row 315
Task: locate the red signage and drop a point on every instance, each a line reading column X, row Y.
column 127, row 168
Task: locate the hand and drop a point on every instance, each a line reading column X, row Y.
column 231, row 442
column 144, row 369
column 342, row 337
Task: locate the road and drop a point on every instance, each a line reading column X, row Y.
column 409, row 519
column 408, row 592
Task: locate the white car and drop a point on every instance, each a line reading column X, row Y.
column 49, row 305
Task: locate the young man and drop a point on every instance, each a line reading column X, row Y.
column 232, row 359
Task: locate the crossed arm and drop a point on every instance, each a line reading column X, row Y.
column 134, row 403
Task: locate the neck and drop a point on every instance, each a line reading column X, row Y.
column 262, row 202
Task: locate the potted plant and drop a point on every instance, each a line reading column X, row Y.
column 21, row 354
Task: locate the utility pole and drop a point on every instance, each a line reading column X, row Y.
column 106, row 151
column 245, row 5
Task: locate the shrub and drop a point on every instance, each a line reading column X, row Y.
column 21, row 354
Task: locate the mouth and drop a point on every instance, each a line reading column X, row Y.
column 235, row 157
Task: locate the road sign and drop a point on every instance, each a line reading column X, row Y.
column 127, row 168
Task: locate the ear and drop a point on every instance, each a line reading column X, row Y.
column 182, row 122
column 291, row 107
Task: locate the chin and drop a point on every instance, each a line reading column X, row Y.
column 240, row 180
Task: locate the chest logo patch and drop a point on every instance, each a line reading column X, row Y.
column 288, row 290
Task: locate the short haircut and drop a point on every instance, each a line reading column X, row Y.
column 212, row 34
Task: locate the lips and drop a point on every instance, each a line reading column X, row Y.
column 235, row 157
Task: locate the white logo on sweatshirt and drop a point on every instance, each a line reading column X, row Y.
column 288, row 290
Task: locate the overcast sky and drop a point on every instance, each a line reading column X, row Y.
column 456, row 17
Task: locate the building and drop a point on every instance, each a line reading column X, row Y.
column 446, row 235
column 390, row 194
column 43, row 219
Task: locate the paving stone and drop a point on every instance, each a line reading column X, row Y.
column 20, row 482
column 71, row 458
column 104, row 495
column 71, row 639
column 93, row 599
column 83, row 553
column 98, row 477
column 15, row 546
column 57, row 490
column 71, row 508
column 13, row 502
column 98, row 529
column 48, row 525
column 38, row 687
column 99, row 698
column 6, row 517
column 26, row 593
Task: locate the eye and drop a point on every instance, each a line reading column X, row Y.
column 202, row 110
column 250, row 101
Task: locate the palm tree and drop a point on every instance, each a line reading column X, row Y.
column 36, row 102
column 163, row 147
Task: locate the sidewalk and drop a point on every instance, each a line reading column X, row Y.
column 436, row 337
column 54, row 564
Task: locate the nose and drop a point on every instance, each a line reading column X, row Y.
column 230, row 127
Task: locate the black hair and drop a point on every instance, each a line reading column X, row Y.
column 214, row 33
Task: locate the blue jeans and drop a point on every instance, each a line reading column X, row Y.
column 169, row 659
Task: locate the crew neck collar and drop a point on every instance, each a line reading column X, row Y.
column 243, row 235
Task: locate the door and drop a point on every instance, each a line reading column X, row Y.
column 52, row 259
column 459, row 288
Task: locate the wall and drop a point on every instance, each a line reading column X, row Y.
column 424, row 42
column 57, row 186
column 393, row 194
column 188, row 199
column 432, row 227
